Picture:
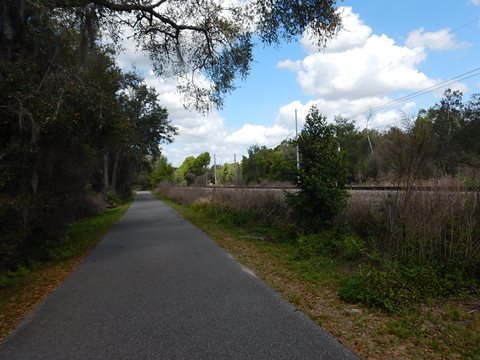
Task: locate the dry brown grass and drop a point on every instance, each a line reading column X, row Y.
column 21, row 299
column 440, row 226
column 268, row 202
column 437, row 227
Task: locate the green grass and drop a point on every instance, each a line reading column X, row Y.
column 84, row 233
column 21, row 290
column 452, row 334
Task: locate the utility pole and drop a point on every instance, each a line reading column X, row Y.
column 206, row 175
column 296, row 138
column 370, row 115
column 215, row 167
column 236, row 172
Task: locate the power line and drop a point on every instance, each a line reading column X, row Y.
column 274, row 146
column 424, row 91
column 445, row 83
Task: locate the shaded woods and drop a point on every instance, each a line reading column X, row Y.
column 75, row 129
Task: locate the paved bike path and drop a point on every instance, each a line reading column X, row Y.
column 156, row 287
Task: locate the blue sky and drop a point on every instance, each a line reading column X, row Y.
column 388, row 49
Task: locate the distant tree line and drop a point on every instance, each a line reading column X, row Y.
column 440, row 141
column 443, row 140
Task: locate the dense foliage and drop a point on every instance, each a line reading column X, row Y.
column 162, row 170
column 71, row 125
column 322, row 176
column 263, row 164
column 192, row 168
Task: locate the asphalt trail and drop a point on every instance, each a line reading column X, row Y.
column 156, row 287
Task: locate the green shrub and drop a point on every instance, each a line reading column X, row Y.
column 395, row 286
column 336, row 243
column 250, row 219
column 10, row 277
column 112, row 200
column 285, row 233
column 322, row 175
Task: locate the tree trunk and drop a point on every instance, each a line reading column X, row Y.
column 34, row 179
column 105, row 172
column 115, row 170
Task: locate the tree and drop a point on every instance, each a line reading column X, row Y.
column 322, row 176
column 192, row 167
column 61, row 113
column 249, row 166
column 409, row 154
column 200, row 164
column 49, row 145
column 226, row 174
column 446, row 122
column 283, row 163
column 469, row 134
column 148, row 125
column 162, row 171
column 256, row 167
column 184, row 173
column 187, row 40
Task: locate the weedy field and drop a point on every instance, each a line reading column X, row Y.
column 397, row 277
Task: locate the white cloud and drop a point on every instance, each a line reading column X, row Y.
column 130, row 57
column 286, row 114
column 197, row 132
column 475, row 2
column 441, row 40
column 356, row 110
column 452, row 86
column 257, row 134
column 360, row 70
column 382, row 120
column 358, row 64
column 354, row 34
column 200, row 132
column 409, row 107
column 290, row 65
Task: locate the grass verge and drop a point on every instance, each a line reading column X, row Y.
column 21, row 291
column 439, row 329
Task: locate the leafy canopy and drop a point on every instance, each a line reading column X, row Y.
column 206, row 44
column 71, row 125
column 193, row 167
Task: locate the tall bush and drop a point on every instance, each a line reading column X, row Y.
column 322, row 175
